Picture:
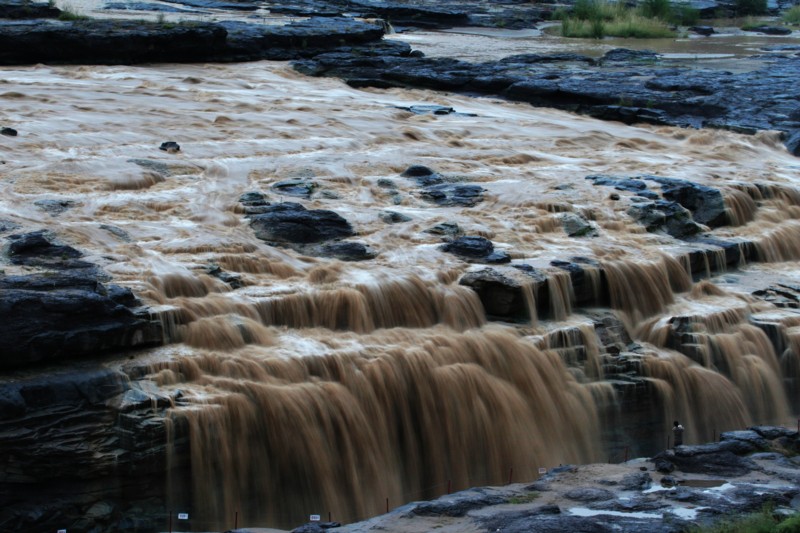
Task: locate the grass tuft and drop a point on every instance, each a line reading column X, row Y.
column 597, row 19
column 792, row 16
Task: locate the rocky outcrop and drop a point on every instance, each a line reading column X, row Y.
column 64, row 311
column 106, row 41
column 474, row 248
column 67, row 438
column 758, row 467
column 291, row 223
column 25, row 9
column 623, row 86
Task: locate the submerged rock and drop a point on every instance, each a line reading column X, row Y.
column 449, row 194
column 347, row 251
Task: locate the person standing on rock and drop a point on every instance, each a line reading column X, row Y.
column 677, row 432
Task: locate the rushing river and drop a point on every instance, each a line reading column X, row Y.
column 324, row 386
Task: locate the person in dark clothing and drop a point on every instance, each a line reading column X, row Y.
column 677, row 432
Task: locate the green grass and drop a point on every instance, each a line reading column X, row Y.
column 750, row 23
column 69, row 14
column 596, row 19
column 661, row 9
column 792, row 16
column 523, row 498
column 763, row 522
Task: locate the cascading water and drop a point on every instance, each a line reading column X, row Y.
column 316, row 386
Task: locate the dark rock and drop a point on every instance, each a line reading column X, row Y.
column 449, row 229
column 429, row 109
column 705, row 203
column 300, row 187
column 668, row 481
column 471, row 247
column 589, row 494
column 626, row 55
column 773, row 432
column 54, row 207
column 66, row 316
column 743, row 442
column 498, row 257
column 8, row 225
column 348, row 251
column 417, row 171
column 290, row 222
column 669, row 217
column 26, row 9
column 449, row 194
column 702, row 30
column 170, row 146
column 769, row 30
column 636, row 481
column 711, row 459
column 393, row 217
column 219, row 4
column 116, row 231
column 106, row 41
column 253, row 198
column 254, row 203
column 501, row 295
column 232, row 279
column 416, row 15
column 39, row 249
column 158, row 168
column 664, row 465
column 8, row 132
column 145, row 6
column 577, row 226
column 458, row 504
column 635, row 185
column 424, row 176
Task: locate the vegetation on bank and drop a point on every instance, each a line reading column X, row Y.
column 763, row 522
column 650, row 19
column 792, row 16
column 599, row 18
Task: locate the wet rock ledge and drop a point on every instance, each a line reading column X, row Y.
column 62, row 310
column 123, row 42
column 681, row 488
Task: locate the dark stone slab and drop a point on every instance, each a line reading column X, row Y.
column 290, row 222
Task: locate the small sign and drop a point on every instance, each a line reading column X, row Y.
column 314, row 518
column 183, row 516
column 61, row 531
column 542, row 470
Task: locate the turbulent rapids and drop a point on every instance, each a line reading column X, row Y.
column 300, row 384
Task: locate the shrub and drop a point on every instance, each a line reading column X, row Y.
column 792, row 16
column 655, row 9
column 596, row 9
column 684, row 15
column 790, row 525
column 638, row 27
